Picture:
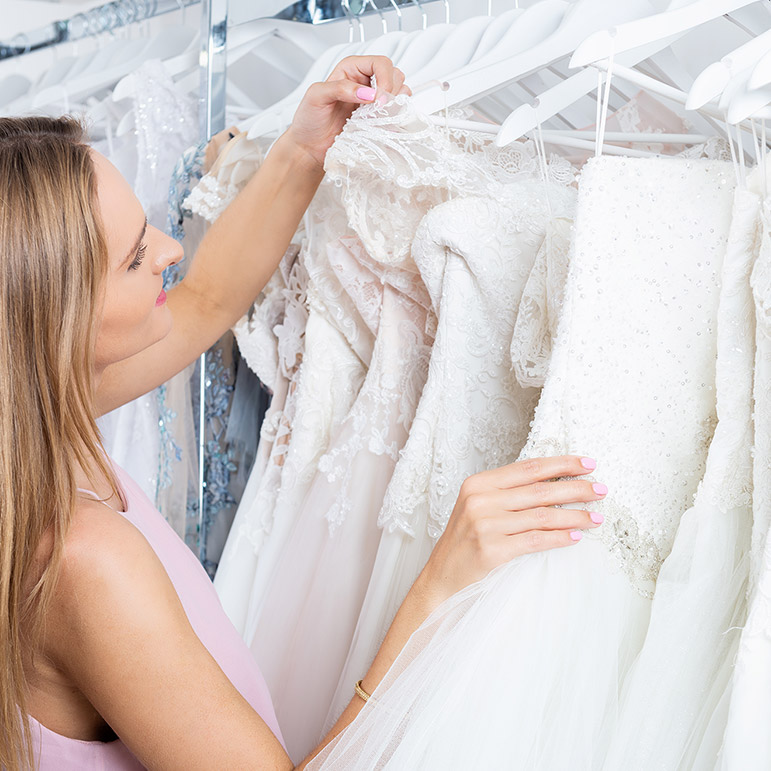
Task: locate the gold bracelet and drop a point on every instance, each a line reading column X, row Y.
column 360, row 692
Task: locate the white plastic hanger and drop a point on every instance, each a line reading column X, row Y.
column 497, row 30
column 511, row 57
column 746, row 103
column 624, row 37
column 761, row 75
column 170, row 43
column 579, row 20
column 710, row 83
column 274, row 118
column 459, row 46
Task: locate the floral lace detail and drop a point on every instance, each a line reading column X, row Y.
column 255, row 331
column 714, row 149
column 210, row 198
column 475, row 256
column 237, row 162
column 540, row 307
column 382, row 415
column 392, row 159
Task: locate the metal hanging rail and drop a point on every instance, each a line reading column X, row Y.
column 98, row 20
column 121, row 13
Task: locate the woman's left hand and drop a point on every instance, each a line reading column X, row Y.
column 327, row 106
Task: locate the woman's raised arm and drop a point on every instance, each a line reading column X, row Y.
column 243, row 247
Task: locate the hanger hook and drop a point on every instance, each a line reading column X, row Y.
column 422, row 12
column 182, row 7
column 446, row 11
column 346, row 6
column 383, row 21
column 398, row 14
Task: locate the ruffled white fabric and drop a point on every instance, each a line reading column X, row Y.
column 524, row 669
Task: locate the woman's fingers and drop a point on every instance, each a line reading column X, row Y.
column 362, row 69
column 539, row 540
column 534, row 470
column 545, row 518
column 332, row 91
column 538, row 496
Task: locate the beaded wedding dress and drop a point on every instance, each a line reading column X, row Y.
column 671, row 714
column 524, row 669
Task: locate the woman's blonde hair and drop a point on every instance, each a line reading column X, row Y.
column 53, row 263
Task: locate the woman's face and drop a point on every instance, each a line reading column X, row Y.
column 134, row 315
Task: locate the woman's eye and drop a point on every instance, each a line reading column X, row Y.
column 137, row 261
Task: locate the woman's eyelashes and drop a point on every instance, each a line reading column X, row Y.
column 137, row 261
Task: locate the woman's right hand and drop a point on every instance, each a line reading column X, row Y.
column 507, row 512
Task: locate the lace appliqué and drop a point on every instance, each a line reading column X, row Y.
column 540, row 307
column 392, row 159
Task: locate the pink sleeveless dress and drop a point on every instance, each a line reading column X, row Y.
column 54, row 752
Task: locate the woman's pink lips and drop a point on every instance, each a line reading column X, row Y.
column 161, row 299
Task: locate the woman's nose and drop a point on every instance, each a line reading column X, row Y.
column 167, row 251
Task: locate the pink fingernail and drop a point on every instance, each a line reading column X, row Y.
column 365, row 93
column 576, row 535
column 589, row 463
column 596, row 517
column 599, row 488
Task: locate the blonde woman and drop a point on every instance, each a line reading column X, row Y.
column 115, row 651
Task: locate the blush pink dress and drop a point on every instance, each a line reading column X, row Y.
column 54, row 752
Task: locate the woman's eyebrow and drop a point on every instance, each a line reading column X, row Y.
column 137, row 244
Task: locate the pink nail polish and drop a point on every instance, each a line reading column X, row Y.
column 576, row 535
column 589, row 463
column 365, row 93
column 596, row 517
column 599, row 488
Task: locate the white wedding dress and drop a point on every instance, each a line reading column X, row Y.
column 671, row 712
column 395, row 166
column 306, row 614
column 747, row 742
column 524, row 669
column 324, row 347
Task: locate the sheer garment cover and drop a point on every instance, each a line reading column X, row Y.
column 524, row 669
column 196, row 593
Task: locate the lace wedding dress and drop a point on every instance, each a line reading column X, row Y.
column 322, row 348
column 305, row 616
column 524, row 669
column 474, row 250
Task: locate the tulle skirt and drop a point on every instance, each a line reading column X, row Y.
column 522, row 670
